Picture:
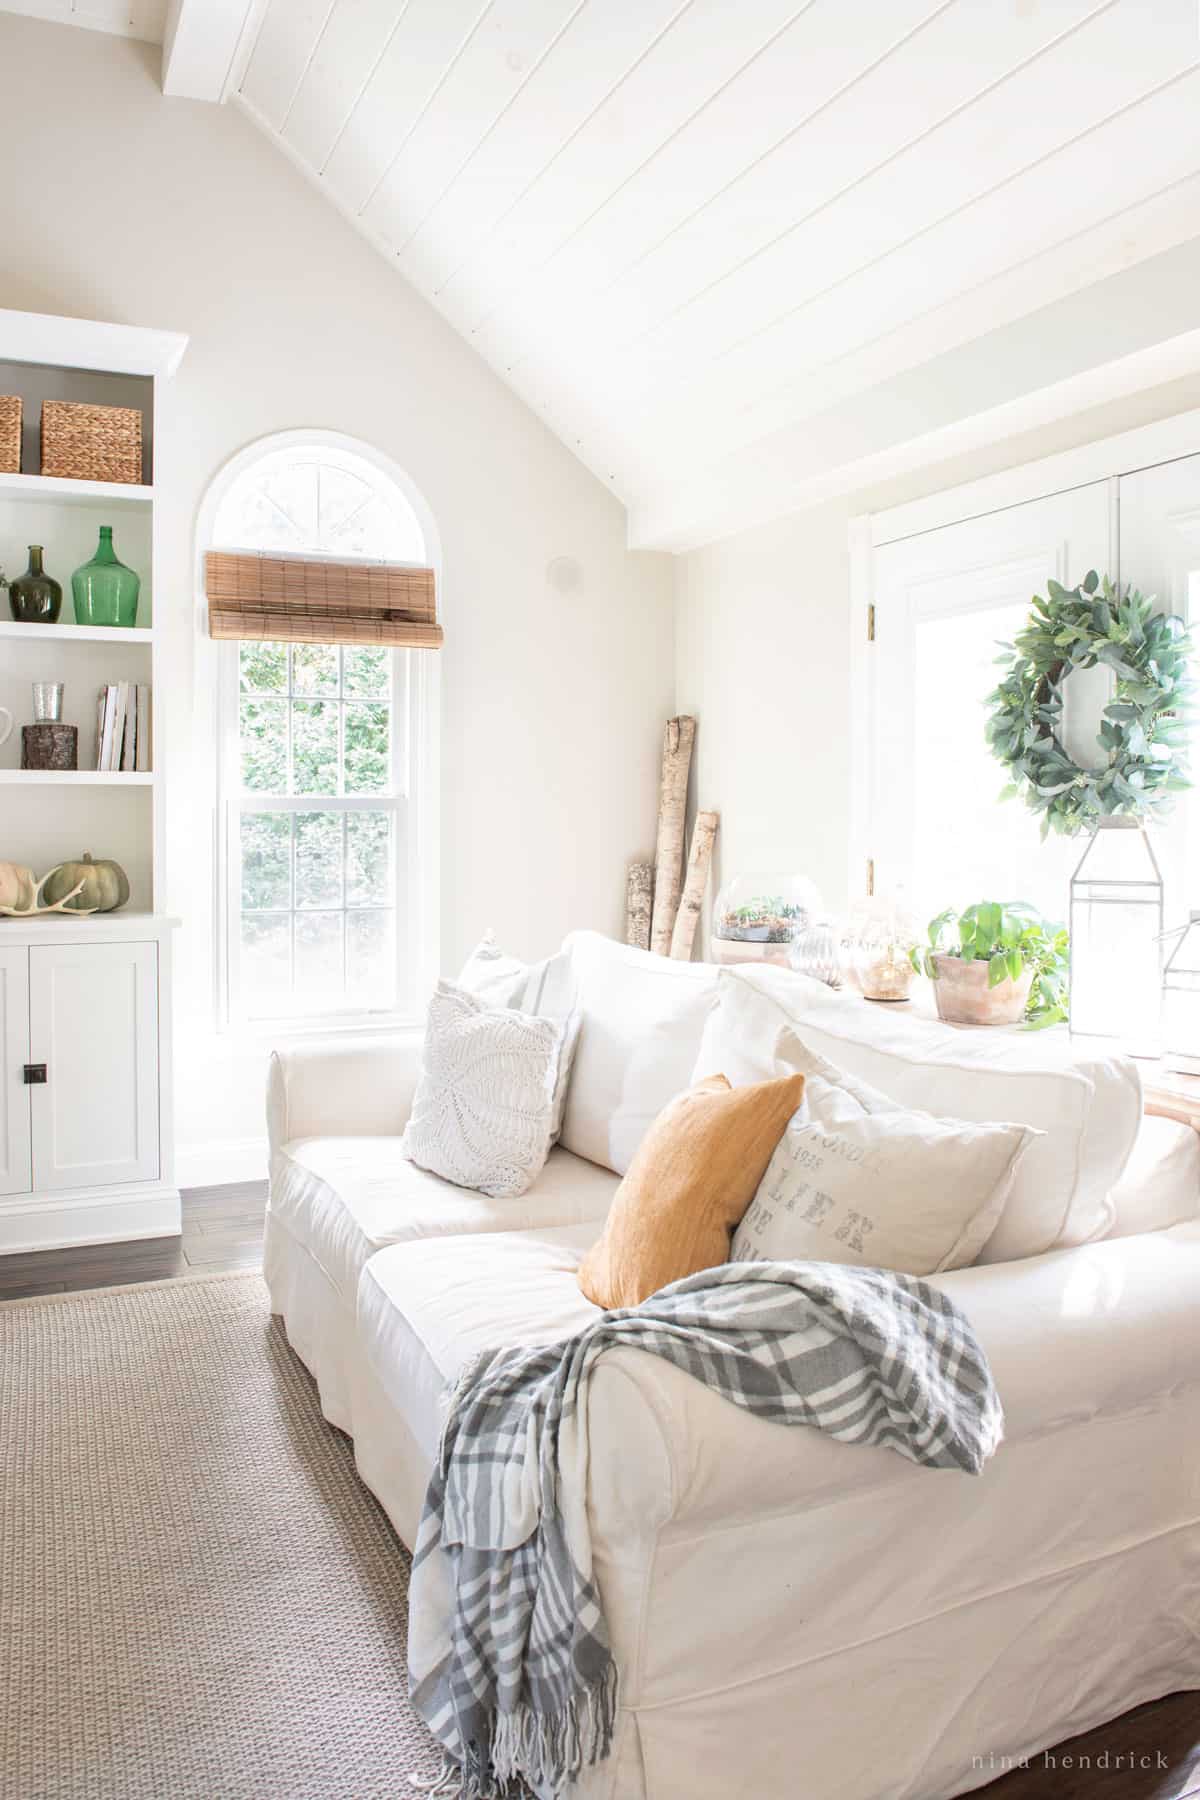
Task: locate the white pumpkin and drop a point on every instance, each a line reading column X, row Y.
column 17, row 885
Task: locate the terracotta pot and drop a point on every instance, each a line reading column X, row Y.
column 964, row 997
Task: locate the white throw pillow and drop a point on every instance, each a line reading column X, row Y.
column 492, row 975
column 483, row 1113
column 1086, row 1106
column 546, row 988
column 855, row 1180
column 643, row 1017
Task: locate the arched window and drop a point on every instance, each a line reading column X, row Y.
column 318, row 746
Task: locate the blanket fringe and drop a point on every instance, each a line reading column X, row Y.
column 445, row 1785
column 548, row 1750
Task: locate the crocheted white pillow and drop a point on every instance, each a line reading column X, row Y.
column 483, row 1112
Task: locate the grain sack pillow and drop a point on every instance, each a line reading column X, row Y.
column 483, row 1113
column 856, row 1179
column 690, row 1181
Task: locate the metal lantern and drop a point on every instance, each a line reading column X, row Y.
column 1116, row 923
column 1181, row 1000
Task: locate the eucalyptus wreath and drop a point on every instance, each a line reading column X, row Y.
column 1143, row 728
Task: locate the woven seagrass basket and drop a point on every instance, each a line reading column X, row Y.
column 10, row 434
column 91, row 443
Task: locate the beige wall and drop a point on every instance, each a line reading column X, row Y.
column 119, row 204
column 762, row 658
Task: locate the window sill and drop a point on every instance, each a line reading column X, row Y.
column 289, row 1031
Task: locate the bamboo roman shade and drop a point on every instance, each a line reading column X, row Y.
column 290, row 600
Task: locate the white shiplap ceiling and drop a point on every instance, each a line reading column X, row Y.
column 743, row 253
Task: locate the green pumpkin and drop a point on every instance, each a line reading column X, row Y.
column 105, row 885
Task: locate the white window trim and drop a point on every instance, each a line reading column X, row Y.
column 418, row 811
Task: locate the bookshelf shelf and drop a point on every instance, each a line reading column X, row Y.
column 117, row 636
column 76, row 777
column 53, row 490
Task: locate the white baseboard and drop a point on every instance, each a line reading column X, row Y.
column 219, row 1163
column 57, row 1221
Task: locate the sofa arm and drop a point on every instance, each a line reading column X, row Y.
column 332, row 1088
column 1118, row 1323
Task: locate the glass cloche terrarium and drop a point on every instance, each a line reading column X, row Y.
column 877, row 942
column 756, row 917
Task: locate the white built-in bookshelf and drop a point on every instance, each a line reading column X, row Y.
column 85, row 1144
column 111, row 813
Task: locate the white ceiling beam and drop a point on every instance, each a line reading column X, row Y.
column 748, row 491
column 205, row 44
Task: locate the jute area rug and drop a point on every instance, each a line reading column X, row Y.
column 197, row 1595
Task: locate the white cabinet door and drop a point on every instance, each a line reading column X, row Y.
column 94, row 1023
column 944, row 599
column 15, row 1167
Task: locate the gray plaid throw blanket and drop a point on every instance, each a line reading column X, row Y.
column 509, row 1658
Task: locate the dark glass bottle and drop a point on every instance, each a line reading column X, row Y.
column 35, row 597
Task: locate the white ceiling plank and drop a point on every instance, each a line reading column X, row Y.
column 355, row 38
column 809, row 62
column 576, row 75
column 200, row 46
column 952, row 168
column 429, row 37
column 706, row 47
column 494, row 67
column 288, row 36
column 897, row 100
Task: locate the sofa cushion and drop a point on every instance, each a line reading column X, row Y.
column 1087, row 1106
column 425, row 1309
column 342, row 1199
column 692, row 1179
column 1161, row 1183
column 642, row 1018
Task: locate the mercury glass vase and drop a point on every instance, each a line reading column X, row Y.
column 105, row 591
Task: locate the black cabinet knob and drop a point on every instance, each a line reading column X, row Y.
column 34, row 1073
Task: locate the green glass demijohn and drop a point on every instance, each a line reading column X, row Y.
column 35, row 597
column 105, row 591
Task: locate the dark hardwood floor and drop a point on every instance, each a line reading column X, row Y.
column 222, row 1230
column 1152, row 1753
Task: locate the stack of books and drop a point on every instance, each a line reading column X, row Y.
column 123, row 726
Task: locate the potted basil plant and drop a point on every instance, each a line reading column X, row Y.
column 995, row 963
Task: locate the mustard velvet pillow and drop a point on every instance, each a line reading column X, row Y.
column 690, row 1181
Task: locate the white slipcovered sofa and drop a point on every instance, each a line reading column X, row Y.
column 792, row 1616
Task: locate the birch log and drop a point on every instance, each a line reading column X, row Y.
column 678, row 739
column 639, row 891
column 686, row 919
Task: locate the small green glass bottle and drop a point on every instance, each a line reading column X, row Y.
column 35, row 598
column 105, row 591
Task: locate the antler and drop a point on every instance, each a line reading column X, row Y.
column 35, row 910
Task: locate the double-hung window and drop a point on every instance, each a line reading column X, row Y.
column 316, row 755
